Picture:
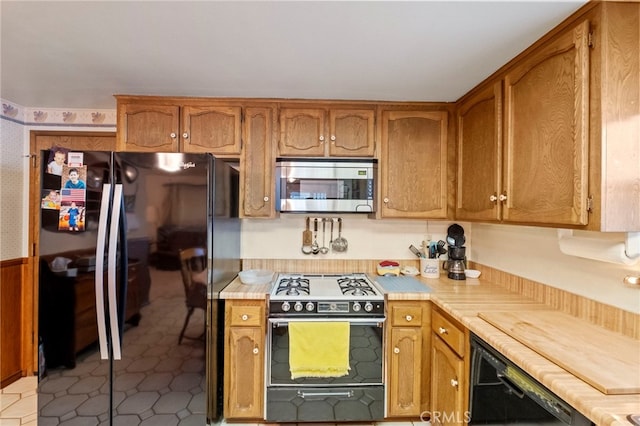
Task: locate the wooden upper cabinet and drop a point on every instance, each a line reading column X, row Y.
column 545, row 171
column 214, row 129
column 158, row 124
column 305, row 132
column 302, row 132
column 147, row 127
column 352, row 133
column 413, row 164
column 257, row 163
column 479, row 123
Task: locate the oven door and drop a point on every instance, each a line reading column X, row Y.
column 357, row 396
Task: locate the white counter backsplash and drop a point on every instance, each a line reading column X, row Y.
column 529, row 252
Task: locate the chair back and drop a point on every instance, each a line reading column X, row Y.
column 192, row 261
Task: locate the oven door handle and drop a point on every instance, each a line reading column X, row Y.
column 510, row 385
column 279, row 322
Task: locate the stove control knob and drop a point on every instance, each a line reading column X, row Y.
column 368, row 307
column 356, row 307
column 310, row 306
column 286, row 306
column 297, row 307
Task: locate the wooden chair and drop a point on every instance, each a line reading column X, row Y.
column 192, row 262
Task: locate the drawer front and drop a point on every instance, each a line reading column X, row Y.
column 406, row 316
column 450, row 333
column 246, row 316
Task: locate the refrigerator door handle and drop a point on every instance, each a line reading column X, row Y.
column 99, row 275
column 112, row 271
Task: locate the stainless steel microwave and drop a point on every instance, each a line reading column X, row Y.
column 326, row 185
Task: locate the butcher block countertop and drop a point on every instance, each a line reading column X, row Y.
column 593, row 378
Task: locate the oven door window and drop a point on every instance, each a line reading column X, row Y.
column 365, row 356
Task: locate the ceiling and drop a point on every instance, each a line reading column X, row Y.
column 77, row 54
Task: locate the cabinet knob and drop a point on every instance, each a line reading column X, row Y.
column 321, row 138
column 266, row 198
column 408, row 318
column 185, row 135
column 396, row 350
column 503, row 197
column 454, row 383
column 493, row 198
column 256, row 351
column 442, row 330
column 173, row 135
column 385, row 200
column 245, row 317
column 333, row 138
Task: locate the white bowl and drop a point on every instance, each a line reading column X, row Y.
column 255, row 276
column 471, row 273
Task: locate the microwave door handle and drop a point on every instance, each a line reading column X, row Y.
column 112, row 270
column 99, row 272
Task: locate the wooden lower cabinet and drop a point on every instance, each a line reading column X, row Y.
column 244, row 338
column 408, row 358
column 449, row 371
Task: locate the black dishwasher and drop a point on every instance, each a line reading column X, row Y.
column 502, row 393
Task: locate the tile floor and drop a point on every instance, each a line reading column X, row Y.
column 163, row 383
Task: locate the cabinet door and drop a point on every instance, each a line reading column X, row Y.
column 148, row 128
column 479, row 155
column 244, row 384
column 257, row 164
column 352, row 133
column 447, row 396
column 546, row 133
column 214, row 129
column 414, row 164
column 302, row 132
column 405, row 371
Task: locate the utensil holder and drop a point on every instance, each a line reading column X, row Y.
column 429, row 268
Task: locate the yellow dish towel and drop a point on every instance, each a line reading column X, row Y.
column 318, row 349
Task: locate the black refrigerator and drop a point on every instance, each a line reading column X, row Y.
column 113, row 225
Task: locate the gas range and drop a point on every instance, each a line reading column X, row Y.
column 320, row 295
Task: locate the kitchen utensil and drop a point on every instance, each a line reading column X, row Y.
column 415, row 251
column 307, row 238
column 340, row 244
column 440, row 248
column 324, row 249
column 315, row 248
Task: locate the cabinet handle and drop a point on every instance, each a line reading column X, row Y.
column 173, row 135
column 493, row 198
column 245, row 317
column 442, row 330
column 408, row 318
column 396, row 350
column 454, row 383
column 333, row 138
column 503, row 197
column 256, row 351
column 321, row 138
column 386, row 200
column 266, row 198
column 185, row 135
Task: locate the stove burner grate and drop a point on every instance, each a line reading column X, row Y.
column 293, row 286
column 353, row 286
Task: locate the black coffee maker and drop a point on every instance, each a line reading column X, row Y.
column 457, row 252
